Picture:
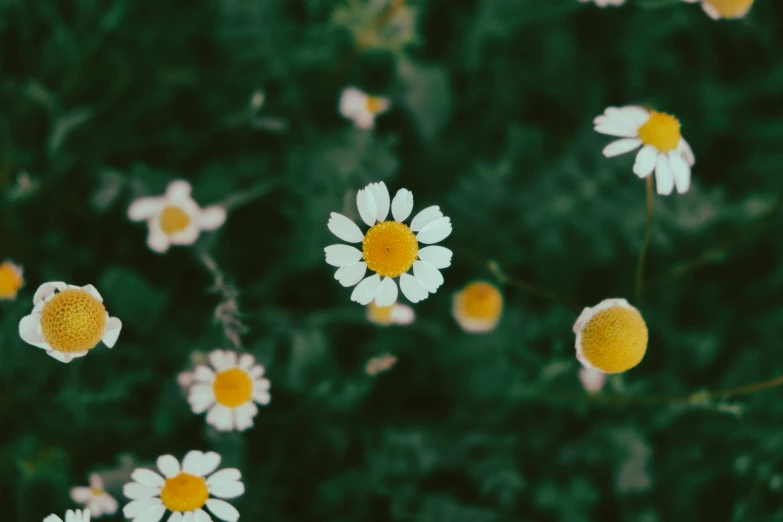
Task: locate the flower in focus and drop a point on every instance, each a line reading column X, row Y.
column 68, row 321
column 361, row 108
column 380, row 364
column 663, row 149
column 604, row 3
column 592, row 380
column 729, row 9
column 230, row 390
column 95, row 498
column 11, row 280
column 393, row 314
column 478, row 307
column 175, row 218
column 390, row 248
column 70, row 516
column 611, row 336
column 184, row 490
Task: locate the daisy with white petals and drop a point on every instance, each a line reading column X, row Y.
column 604, row 3
column 184, row 490
column 390, row 248
column 68, row 321
column 230, row 390
column 175, row 218
column 361, row 108
column 70, row 516
column 95, row 498
column 728, row 9
column 663, row 149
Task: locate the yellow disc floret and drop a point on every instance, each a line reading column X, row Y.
column 374, row 105
column 10, row 280
column 233, row 387
column 390, row 248
column 73, row 321
column 615, row 340
column 184, row 493
column 96, row 492
column 380, row 314
column 173, row 220
column 731, row 8
column 662, row 131
column 480, row 301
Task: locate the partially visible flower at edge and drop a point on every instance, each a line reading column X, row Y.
column 70, row 516
column 11, row 280
column 605, row 3
column 728, row 9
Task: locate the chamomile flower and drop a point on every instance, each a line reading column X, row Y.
column 604, row 3
column 389, row 248
column 184, row 490
column 175, row 218
column 230, row 390
column 728, row 9
column 394, row 314
column 11, row 280
column 95, row 498
column 663, row 149
column 592, row 380
column 477, row 307
column 68, row 321
column 70, row 516
column 380, row 364
column 361, row 108
column 610, row 337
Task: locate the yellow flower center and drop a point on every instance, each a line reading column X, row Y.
column 381, row 314
column 662, row 131
column 96, row 492
column 233, row 387
column 73, row 321
column 10, row 280
column 480, row 301
column 390, row 248
column 173, row 220
column 615, row 339
column 374, row 105
column 731, row 8
column 184, row 493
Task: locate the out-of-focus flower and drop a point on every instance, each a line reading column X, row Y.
column 663, row 149
column 604, row 3
column 393, row 314
column 230, row 390
column 592, row 380
column 729, row 9
column 68, row 321
column 95, row 498
column 175, row 218
column 361, row 108
column 184, row 490
column 70, row 516
column 478, row 307
column 11, row 280
column 390, row 248
column 611, row 336
column 380, row 364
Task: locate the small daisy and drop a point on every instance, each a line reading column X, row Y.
column 230, row 392
column 664, row 150
column 604, row 3
column 728, row 9
column 70, row 516
column 395, row 314
column 478, row 307
column 95, row 497
column 390, row 248
column 592, row 380
column 175, row 218
column 184, row 490
column 610, row 337
column 380, row 364
column 68, row 321
column 11, row 280
column 361, row 108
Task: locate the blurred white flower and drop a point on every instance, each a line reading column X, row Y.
column 728, row 9
column 70, row 516
column 95, row 498
column 68, row 321
column 592, row 380
column 604, row 3
column 380, row 364
column 663, row 149
column 395, row 314
column 361, row 108
column 390, row 248
column 175, row 218
column 11, row 280
column 477, row 307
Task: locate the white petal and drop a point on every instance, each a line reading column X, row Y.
column 112, row 332
column 178, row 190
column 134, row 490
column 132, row 509
column 344, row 228
column 203, row 374
column 90, row 289
column 428, row 276
column 246, row 361
column 352, row 100
column 186, row 237
column 680, row 171
column 349, row 275
column 402, row 205
column 62, row 357
column 53, row 518
column 364, row 292
column 153, row 514
column 201, row 397
column 368, row 210
column 262, row 396
column 227, row 490
column 191, row 464
column 201, row 516
column 621, row 147
column 223, row 510
column 386, row 294
column 402, row 314
column 219, row 360
column 209, row 463
column 243, row 416
column 687, row 152
column 381, row 195
column 425, row 217
column 645, row 161
column 411, row 289
column 342, row 255
column 188, row 516
column 145, row 208
column 437, row 256
column 212, row 217
column 158, row 241
column 96, row 481
column 435, row 232
column 257, row 371
column 47, row 290
column 28, row 331
column 711, row 10
column 175, row 517
column 223, row 476
column 364, row 120
column 619, row 129
column 168, row 465
column 220, row 418
column 81, row 495
column 664, row 181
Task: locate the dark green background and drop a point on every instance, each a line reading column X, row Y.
column 105, row 100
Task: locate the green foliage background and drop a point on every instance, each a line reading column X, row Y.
column 104, row 101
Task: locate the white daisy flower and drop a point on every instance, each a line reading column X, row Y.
column 386, row 315
column 230, row 390
column 728, row 9
column 175, row 218
column 95, row 498
column 604, row 3
column 664, row 150
column 477, row 307
column 184, row 490
column 592, row 380
column 70, row 516
column 11, row 280
column 68, row 321
column 390, row 248
column 361, row 108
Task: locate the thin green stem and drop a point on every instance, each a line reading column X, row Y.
column 645, row 243
column 239, row 199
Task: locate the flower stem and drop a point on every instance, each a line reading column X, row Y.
column 645, row 242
